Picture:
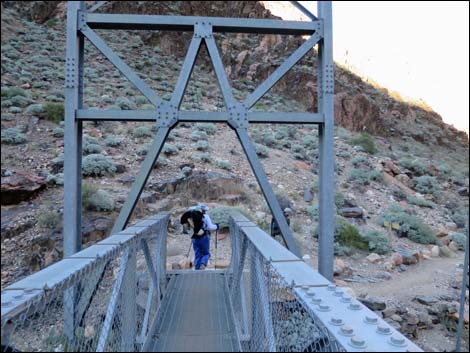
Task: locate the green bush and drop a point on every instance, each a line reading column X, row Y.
column 198, row 135
column 419, row 201
column 203, row 157
column 360, row 160
column 267, row 139
column 170, row 149
column 58, row 132
column 427, row 184
column 460, row 217
column 408, row 225
column 141, row 100
column 124, row 103
column 459, row 239
column 12, row 136
column 113, row 141
column 202, row 145
column 143, row 150
column 223, row 164
column 310, row 142
column 53, row 112
column 376, row 175
column 95, row 199
column 55, row 179
column 14, row 91
column 208, row 128
column 281, row 133
column 366, row 142
column 50, row 220
column 347, row 235
column 91, row 148
column 97, row 165
column 20, row 101
column 35, row 109
column 141, row 132
column 51, row 22
column 221, row 215
column 414, row 165
column 261, row 150
column 378, row 242
column 360, row 176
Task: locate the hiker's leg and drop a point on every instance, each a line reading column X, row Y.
column 205, row 249
column 197, row 254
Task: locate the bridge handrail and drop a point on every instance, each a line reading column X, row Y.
column 341, row 322
column 80, row 276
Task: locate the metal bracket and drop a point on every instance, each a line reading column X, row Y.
column 81, row 20
column 166, row 115
column 70, row 73
column 319, row 28
column 329, row 79
column 203, row 29
column 238, row 116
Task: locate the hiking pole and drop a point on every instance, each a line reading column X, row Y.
column 216, row 236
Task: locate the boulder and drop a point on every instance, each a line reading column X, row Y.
column 383, row 275
column 396, row 259
column 148, row 197
column 374, row 257
column 407, row 256
column 185, row 264
column 426, row 299
column 96, row 228
column 388, row 312
column 442, row 232
column 373, row 303
column 434, row 251
column 351, row 212
column 463, row 191
column 21, row 186
column 390, row 168
column 341, row 268
column 404, row 179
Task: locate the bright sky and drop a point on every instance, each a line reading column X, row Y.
column 420, row 49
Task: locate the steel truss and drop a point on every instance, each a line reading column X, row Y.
column 82, row 23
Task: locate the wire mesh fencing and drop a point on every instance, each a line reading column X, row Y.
column 100, row 299
column 268, row 316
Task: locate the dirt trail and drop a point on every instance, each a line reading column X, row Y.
column 429, row 277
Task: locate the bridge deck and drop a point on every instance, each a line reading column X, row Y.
column 197, row 316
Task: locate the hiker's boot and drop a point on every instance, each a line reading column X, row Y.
column 202, row 267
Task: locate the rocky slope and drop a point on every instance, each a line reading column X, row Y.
column 410, row 159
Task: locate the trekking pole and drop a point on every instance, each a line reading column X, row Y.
column 216, row 236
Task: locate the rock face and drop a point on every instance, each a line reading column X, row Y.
column 357, row 112
column 21, row 186
column 351, row 212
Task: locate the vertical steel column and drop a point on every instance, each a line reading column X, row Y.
column 326, row 141
column 72, row 154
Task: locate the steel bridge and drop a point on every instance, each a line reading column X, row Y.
column 268, row 299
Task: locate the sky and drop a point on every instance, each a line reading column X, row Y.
column 419, row 49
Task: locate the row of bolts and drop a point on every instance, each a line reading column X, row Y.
column 348, row 331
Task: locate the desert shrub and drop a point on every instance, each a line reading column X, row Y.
column 339, row 199
column 58, row 132
column 95, row 199
column 310, row 142
column 346, row 235
column 141, row 100
column 460, row 217
column 208, row 128
column 360, row 160
column 261, row 150
column 53, row 112
column 202, row 145
column 91, row 148
column 12, row 136
column 50, row 220
column 198, row 135
column 20, row 101
column 378, row 242
column 148, row 107
column 113, row 141
column 13, row 92
column 55, row 179
column 51, row 22
column 223, row 164
column 344, row 154
column 141, row 132
column 97, row 165
column 281, row 133
column 366, row 142
column 427, row 184
column 143, row 150
column 266, row 138
column 221, row 215
column 459, row 239
column 414, row 165
column 422, row 202
column 35, row 109
column 124, row 103
column 364, row 177
column 170, row 149
column 408, row 225
column 314, row 211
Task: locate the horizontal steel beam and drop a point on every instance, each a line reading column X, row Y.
column 186, row 23
column 199, row 116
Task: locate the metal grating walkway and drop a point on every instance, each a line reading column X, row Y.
column 197, row 316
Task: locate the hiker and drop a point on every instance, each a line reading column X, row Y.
column 197, row 219
column 275, row 230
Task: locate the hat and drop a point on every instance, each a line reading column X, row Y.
column 287, row 210
column 203, row 206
